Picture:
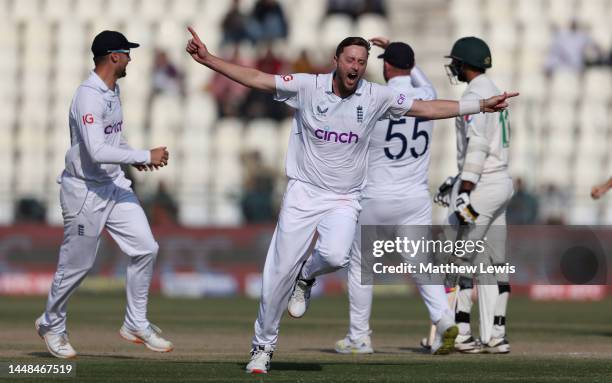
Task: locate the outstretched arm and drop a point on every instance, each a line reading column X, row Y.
column 438, row 109
column 249, row 77
column 599, row 190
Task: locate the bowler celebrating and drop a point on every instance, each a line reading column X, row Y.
column 95, row 195
column 326, row 166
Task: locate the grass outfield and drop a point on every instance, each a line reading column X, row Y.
column 551, row 342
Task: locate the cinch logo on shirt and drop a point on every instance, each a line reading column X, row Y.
column 114, row 128
column 329, row 135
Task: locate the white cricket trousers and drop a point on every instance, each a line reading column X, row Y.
column 86, row 211
column 306, row 210
column 409, row 212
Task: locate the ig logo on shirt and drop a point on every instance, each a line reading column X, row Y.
column 88, row 119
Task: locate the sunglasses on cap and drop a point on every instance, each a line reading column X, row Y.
column 126, row 51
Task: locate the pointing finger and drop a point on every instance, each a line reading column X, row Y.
column 194, row 34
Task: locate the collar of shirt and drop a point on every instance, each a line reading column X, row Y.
column 476, row 82
column 400, row 82
column 328, row 80
column 99, row 83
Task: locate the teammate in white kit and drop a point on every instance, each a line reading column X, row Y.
column 326, row 163
column 396, row 193
column 479, row 198
column 95, row 194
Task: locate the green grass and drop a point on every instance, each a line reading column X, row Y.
column 551, row 342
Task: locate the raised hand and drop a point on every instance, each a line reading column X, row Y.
column 497, row 103
column 380, row 41
column 599, row 190
column 196, row 48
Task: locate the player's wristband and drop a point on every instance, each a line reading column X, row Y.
column 469, row 107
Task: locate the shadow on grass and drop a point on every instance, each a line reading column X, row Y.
column 415, row 350
column 332, row 351
column 289, row 366
column 46, row 355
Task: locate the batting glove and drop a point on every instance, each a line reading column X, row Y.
column 464, row 210
column 443, row 195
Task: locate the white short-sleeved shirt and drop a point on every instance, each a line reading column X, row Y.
column 398, row 161
column 328, row 146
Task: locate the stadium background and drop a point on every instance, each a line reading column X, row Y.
column 559, row 145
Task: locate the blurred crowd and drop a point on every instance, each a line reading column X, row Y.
column 571, row 49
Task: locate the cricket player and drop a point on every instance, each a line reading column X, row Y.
column 95, row 195
column 396, row 193
column 479, row 197
column 326, row 166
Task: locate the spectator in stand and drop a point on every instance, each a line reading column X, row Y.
column 268, row 21
column 258, row 104
column 163, row 210
column 523, row 207
column 356, row 8
column 554, row 204
column 257, row 201
column 235, row 25
column 166, row 77
column 269, row 62
column 303, row 64
column 570, row 49
column 374, row 6
column 228, row 94
column 30, row 210
column 351, row 8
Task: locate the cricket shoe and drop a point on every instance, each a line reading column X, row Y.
column 497, row 346
column 150, row 337
column 360, row 346
column 57, row 344
column 425, row 344
column 300, row 298
column 260, row 359
column 444, row 341
column 466, row 343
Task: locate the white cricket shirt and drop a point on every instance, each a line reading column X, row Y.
column 97, row 144
column 494, row 127
column 329, row 141
column 400, row 150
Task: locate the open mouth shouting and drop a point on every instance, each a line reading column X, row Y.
column 351, row 78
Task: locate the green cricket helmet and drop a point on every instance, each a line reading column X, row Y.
column 472, row 51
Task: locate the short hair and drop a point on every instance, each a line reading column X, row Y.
column 360, row 41
column 99, row 59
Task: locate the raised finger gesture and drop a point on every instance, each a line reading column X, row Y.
column 498, row 103
column 195, row 47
